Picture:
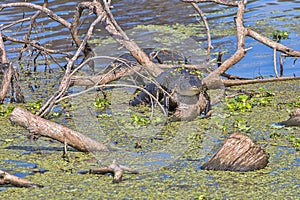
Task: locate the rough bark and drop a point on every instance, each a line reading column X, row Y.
column 238, row 153
column 42, row 127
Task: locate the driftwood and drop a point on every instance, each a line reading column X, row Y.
column 294, row 119
column 6, row 178
column 238, row 153
column 115, row 169
column 42, row 127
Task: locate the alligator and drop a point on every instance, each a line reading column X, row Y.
column 181, row 92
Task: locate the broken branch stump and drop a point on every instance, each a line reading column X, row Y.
column 42, row 127
column 238, row 153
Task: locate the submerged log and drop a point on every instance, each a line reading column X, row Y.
column 6, row 178
column 238, row 153
column 294, row 119
column 42, row 127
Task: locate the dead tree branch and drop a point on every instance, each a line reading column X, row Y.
column 6, row 178
column 114, row 168
column 230, row 83
column 66, row 80
column 222, row 2
column 119, row 35
column 7, row 71
column 209, row 45
column 212, row 80
column 270, row 43
column 38, row 7
column 9, row 77
column 38, row 126
column 31, row 25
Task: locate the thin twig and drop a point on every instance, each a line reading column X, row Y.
column 209, row 45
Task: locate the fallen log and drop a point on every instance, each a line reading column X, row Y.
column 42, row 127
column 6, row 178
column 294, row 119
column 238, row 153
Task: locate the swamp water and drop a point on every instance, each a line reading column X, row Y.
column 172, row 154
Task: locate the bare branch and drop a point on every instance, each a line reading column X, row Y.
column 8, row 71
column 42, row 127
column 118, row 34
column 38, row 7
column 270, row 43
column 34, row 44
column 222, row 2
column 229, row 83
column 211, row 79
column 6, row 178
column 209, row 46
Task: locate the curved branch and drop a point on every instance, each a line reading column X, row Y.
column 38, row 7
column 209, row 46
column 270, row 43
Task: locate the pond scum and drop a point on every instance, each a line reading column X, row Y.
column 41, row 161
